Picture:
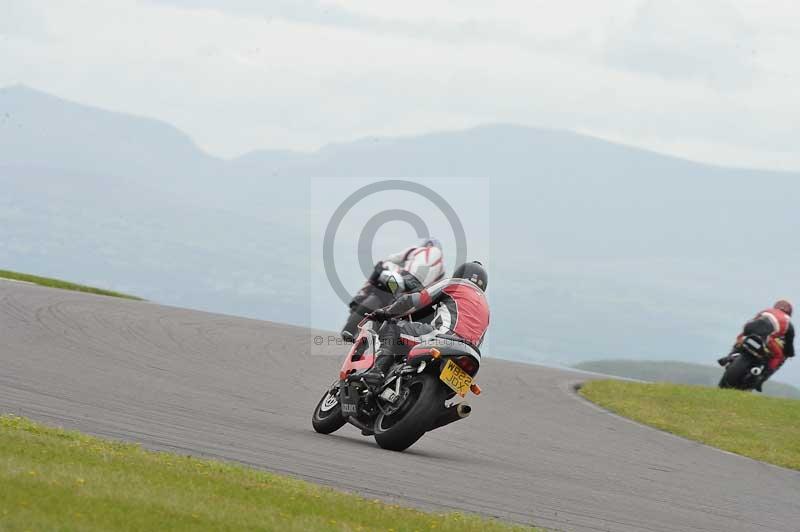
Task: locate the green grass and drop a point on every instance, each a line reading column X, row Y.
column 64, row 285
column 678, row 373
column 764, row 428
column 51, row 479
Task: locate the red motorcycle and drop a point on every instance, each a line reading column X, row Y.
column 416, row 396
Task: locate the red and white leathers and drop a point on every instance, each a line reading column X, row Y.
column 461, row 311
column 775, row 327
column 426, row 263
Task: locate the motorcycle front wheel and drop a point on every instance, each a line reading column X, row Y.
column 328, row 416
column 401, row 429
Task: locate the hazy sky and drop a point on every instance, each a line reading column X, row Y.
column 713, row 80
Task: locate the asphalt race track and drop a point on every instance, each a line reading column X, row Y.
column 239, row 389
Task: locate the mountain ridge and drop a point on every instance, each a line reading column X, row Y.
column 366, row 143
column 608, row 250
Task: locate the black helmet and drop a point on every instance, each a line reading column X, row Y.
column 473, row 271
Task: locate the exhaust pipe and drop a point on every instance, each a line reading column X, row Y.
column 451, row 414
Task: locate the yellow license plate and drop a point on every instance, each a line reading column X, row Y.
column 456, row 378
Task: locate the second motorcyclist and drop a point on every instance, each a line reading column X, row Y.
column 410, row 270
column 775, row 328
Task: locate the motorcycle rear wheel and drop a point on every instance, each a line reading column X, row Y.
column 328, row 416
column 399, row 431
column 736, row 374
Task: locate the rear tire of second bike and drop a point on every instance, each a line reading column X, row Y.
column 736, row 374
column 398, row 435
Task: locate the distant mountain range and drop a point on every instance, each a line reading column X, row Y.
column 596, row 250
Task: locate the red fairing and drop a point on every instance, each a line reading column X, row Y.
column 365, row 361
column 473, row 311
column 414, row 353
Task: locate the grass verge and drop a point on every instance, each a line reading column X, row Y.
column 64, row 285
column 677, row 373
column 58, row 480
column 764, row 428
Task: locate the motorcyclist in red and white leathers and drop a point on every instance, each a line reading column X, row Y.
column 774, row 327
column 410, row 270
column 462, row 314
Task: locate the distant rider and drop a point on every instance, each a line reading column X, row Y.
column 775, row 328
column 462, row 314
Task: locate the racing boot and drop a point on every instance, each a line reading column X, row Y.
column 377, row 373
